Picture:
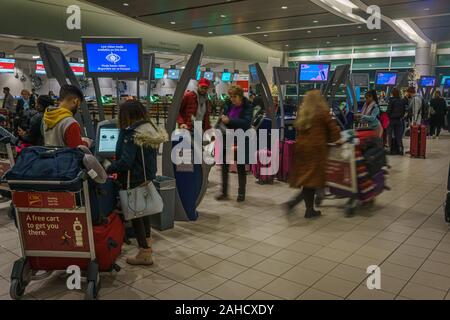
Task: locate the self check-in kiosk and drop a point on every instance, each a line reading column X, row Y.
column 284, row 76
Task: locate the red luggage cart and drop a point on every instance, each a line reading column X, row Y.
column 55, row 231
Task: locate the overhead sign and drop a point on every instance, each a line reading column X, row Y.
column 7, row 65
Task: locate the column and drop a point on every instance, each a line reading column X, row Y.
column 423, row 59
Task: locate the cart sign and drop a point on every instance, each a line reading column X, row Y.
column 47, row 200
column 339, row 173
column 48, row 231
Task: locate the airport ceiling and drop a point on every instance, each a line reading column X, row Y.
column 286, row 24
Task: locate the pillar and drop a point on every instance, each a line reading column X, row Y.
column 423, row 59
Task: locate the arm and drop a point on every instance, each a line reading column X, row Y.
column 244, row 122
column 127, row 158
column 373, row 116
column 72, row 136
column 333, row 132
column 184, row 102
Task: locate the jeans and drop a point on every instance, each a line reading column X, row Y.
column 142, row 230
column 395, row 135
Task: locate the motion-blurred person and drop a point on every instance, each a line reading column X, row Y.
column 415, row 106
column 237, row 114
column 137, row 145
column 438, row 110
column 60, row 127
column 33, row 135
column 33, row 98
column 22, row 110
column 8, row 100
column 371, row 112
column 396, row 111
column 315, row 129
column 195, row 106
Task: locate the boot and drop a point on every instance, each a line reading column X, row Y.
column 311, row 213
column 241, row 197
column 222, row 197
column 143, row 258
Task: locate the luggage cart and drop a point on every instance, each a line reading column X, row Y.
column 55, row 231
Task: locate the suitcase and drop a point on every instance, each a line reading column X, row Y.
column 286, row 158
column 103, row 200
column 108, row 242
column 418, row 143
column 257, row 168
column 108, row 239
column 375, row 159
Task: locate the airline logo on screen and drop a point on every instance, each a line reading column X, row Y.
column 113, row 58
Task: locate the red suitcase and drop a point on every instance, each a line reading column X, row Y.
column 418, row 146
column 257, row 169
column 286, row 158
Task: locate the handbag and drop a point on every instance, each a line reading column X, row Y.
column 140, row 201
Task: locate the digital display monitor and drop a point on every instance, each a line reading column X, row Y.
column 314, row 72
column 7, row 65
column 447, row 83
column 427, row 81
column 236, row 77
column 443, row 79
column 40, row 69
column 159, row 73
column 209, row 75
column 387, row 78
column 226, row 76
column 173, row 74
column 198, row 75
column 77, row 68
column 113, row 57
column 107, row 139
column 360, row 79
column 254, row 78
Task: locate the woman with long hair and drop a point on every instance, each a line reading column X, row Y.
column 371, row 113
column 315, row 129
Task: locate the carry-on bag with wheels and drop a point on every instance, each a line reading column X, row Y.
column 286, row 158
column 418, row 146
column 258, row 169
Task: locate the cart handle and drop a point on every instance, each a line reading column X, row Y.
column 81, row 176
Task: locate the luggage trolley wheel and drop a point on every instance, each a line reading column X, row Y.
column 93, row 281
column 20, row 277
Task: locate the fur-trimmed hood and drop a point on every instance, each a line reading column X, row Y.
column 147, row 134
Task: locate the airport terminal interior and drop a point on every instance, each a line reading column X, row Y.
column 355, row 96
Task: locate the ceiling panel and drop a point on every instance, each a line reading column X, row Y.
column 399, row 9
column 435, row 28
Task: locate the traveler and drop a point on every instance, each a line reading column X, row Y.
column 33, row 135
column 415, row 106
column 22, row 111
column 60, row 129
column 136, row 132
column 237, row 114
column 370, row 113
column 33, row 98
column 195, row 106
column 438, row 109
column 52, row 95
column 315, row 129
column 8, row 100
column 396, row 111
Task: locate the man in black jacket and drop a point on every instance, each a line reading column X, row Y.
column 33, row 135
column 438, row 109
column 396, row 111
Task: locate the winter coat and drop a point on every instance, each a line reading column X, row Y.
column 144, row 135
column 397, row 108
column 34, row 134
column 188, row 109
column 311, row 152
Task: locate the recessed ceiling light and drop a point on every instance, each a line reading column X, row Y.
column 210, row 32
column 126, row 4
column 374, row 39
column 309, row 31
column 370, row 65
column 315, row 21
column 223, row 16
column 36, row 57
column 258, row 27
column 427, row 9
column 284, row 7
column 328, row 42
column 173, row 22
column 266, row 35
column 286, row 45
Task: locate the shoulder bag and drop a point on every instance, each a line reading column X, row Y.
column 140, row 201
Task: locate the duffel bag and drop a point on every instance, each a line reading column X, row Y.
column 47, row 164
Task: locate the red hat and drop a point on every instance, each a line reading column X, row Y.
column 204, row 82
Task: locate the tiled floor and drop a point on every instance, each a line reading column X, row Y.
column 255, row 251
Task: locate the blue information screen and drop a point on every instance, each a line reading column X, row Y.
column 429, row 82
column 209, row 75
column 173, row 74
column 386, row 79
column 444, row 79
column 159, row 73
column 254, row 74
column 314, row 72
column 113, row 57
column 447, row 83
column 226, row 76
column 198, row 76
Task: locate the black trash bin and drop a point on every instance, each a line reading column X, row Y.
column 166, row 187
